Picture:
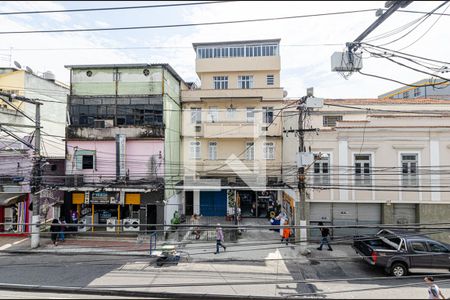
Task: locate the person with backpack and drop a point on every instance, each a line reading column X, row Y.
column 325, row 234
column 433, row 291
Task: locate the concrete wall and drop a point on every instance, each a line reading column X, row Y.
column 132, row 81
column 435, row 213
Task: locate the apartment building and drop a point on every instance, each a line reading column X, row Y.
column 123, row 144
column 17, row 159
column 378, row 161
column 232, row 130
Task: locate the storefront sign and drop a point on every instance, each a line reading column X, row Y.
column 100, row 198
column 120, row 155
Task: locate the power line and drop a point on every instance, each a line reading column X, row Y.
column 189, row 24
column 109, row 8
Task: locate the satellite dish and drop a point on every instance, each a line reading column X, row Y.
column 17, row 65
column 29, row 69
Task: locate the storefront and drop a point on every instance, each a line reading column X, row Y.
column 112, row 208
column 257, row 204
column 14, row 208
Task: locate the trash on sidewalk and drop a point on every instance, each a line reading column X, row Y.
column 168, row 256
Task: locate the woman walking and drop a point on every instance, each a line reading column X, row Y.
column 219, row 239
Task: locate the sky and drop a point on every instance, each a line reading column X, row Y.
column 302, row 66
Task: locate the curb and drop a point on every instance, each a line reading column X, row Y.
column 120, row 293
column 78, row 252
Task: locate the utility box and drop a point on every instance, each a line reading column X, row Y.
column 304, row 159
column 314, row 102
column 345, row 62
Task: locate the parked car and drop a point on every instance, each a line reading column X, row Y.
column 402, row 252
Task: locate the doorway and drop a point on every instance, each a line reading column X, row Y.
column 189, row 203
column 151, row 217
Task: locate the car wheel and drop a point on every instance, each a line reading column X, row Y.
column 398, row 270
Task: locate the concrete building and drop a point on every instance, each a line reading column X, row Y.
column 123, row 144
column 382, row 161
column 232, row 134
column 421, row 89
column 16, row 159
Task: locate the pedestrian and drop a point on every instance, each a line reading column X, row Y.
column 219, row 239
column 286, row 233
column 194, row 221
column 433, row 291
column 62, row 222
column 54, row 229
column 325, row 234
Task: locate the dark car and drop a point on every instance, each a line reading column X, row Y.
column 402, row 252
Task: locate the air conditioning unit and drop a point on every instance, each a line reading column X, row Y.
column 131, row 225
column 85, row 221
column 99, row 123
column 113, row 222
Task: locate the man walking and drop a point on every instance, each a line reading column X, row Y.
column 325, row 234
column 433, row 291
column 219, row 239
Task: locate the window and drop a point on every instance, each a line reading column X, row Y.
column 213, row 114
column 88, row 162
column 84, row 159
column 270, row 80
column 416, row 92
column 231, row 113
column 330, row 121
column 419, row 246
column 238, row 51
column 212, row 150
column 194, row 150
column 322, row 170
column 405, row 94
column 437, row 248
column 196, row 115
column 362, row 170
column 250, row 114
column 409, row 169
column 245, row 82
column 269, row 151
column 250, row 151
column 267, row 114
column 220, row 82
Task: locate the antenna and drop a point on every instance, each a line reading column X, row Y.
column 17, row 65
column 29, row 69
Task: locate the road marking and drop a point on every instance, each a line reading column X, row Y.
column 18, row 242
column 5, row 246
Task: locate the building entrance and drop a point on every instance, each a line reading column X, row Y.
column 257, row 204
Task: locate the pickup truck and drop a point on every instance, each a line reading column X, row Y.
column 402, row 252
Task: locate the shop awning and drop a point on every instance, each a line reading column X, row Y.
column 8, row 199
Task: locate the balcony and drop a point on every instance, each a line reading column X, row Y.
column 263, row 94
column 87, row 133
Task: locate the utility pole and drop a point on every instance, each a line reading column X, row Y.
column 36, row 219
column 303, row 159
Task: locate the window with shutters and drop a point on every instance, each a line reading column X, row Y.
column 212, row 150
column 269, row 150
column 409, row 170
column 250, row 151
column 194, row 150
column 270, row 80
column 267, row 114
column 196, row 115
column 322, row 170
column 363, row 172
